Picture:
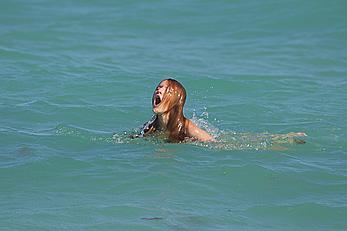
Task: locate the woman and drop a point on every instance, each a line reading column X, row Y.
column 167, row 102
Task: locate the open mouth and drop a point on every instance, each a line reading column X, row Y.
column 156, row 100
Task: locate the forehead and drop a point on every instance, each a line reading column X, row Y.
column 164, row 83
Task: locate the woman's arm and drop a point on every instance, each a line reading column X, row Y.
column 198, row 133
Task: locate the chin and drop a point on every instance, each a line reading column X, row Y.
column 156, row 110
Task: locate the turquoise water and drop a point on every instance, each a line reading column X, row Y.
column 73, row 73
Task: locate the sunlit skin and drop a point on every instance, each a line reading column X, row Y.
column 167, row 102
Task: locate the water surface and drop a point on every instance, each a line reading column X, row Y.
column 74, row 73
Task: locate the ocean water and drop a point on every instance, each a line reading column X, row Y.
column 76, row 78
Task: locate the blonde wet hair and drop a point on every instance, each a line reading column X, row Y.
column 173, row 102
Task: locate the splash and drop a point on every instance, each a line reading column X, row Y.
column 231, row 140
column 92, row 136
column 202, row 122
column 126, row 137
column 225, row 140
column 228, row 140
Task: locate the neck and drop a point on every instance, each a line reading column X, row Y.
column 167, row 119
column 163, row 120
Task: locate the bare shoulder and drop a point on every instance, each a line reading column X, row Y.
column 194, row 131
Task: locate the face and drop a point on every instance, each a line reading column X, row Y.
column 167, row 95
column 158, row 97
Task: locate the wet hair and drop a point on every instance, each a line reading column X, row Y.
column 176, row 93
column 176, row 98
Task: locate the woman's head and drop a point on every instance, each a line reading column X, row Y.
column 168, row 95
